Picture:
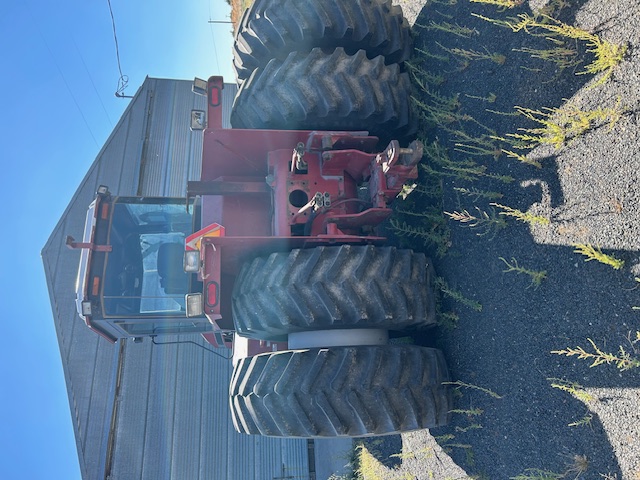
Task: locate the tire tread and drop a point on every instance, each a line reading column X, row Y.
column 320, row 91
column 344, row 391
column 333, row 287
column 274, row 28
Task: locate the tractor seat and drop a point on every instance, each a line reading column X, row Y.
column 173, row 279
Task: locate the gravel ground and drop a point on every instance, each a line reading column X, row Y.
column 588, row 190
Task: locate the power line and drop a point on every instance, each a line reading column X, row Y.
column 95, row 89
column 215, row 48
column 64, row 79
column 124, row 79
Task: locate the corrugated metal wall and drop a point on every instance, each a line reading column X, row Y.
column 144, row 411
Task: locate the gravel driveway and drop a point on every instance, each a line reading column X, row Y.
column 587, row 425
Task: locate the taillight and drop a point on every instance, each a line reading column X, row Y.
column 214, row 96
column 212, row 294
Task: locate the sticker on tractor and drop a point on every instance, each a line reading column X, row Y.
column 192, row 242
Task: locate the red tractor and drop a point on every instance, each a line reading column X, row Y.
column 275, row 252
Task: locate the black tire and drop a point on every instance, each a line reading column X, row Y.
column 275, row 28
column 333, row 287
column 317, row 91
column 342, row 391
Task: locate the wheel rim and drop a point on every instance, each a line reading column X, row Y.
column 338, row 338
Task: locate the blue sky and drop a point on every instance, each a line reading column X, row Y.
column 58, row 108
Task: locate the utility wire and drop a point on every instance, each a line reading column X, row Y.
column 213, row 39
column 95, row 89
column 64, row 79
column 123, row 81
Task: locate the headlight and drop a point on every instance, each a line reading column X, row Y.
column 198, row 120
column 191, row 262
column 199, row 86
column 194, row 304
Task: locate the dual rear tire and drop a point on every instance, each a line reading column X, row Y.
column 323, row 65
column 331, row 65
column 339, row 390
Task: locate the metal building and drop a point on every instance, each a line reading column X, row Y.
column 145, row 411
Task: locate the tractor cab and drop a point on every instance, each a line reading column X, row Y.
column 131, row 281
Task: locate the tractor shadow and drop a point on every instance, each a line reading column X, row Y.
column 469, row 73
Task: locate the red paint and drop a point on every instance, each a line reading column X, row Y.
column 263, row 191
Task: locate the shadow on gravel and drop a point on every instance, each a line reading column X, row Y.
column 505, row 347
